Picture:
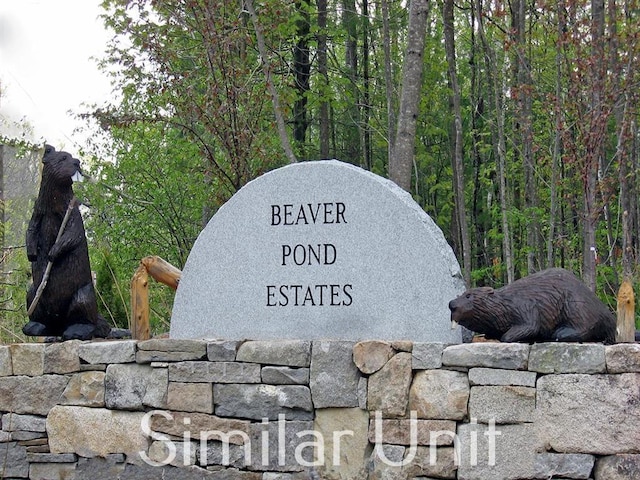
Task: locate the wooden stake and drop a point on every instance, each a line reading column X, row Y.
column 140, row 305
column 626, row 325
column 162, row 271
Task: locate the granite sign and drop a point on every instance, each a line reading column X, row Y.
column 319, row 250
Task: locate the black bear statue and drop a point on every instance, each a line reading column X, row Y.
column 66, row 307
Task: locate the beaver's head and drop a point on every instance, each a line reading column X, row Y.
column 59, row 167
column 478, row 310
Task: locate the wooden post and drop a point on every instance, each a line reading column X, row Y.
column 626, row 325
column 140, row 304
column 162, row 271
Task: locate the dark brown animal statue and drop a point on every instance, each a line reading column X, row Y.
column 67, row 306
column 551, row 305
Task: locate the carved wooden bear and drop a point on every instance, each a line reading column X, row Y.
column 67, row 306
column 551, row 305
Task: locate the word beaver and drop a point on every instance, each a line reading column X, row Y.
column 551, row 305
column 67, row 305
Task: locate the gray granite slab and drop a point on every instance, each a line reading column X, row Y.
column 319, row 250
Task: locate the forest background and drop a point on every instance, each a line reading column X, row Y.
column 512, row 123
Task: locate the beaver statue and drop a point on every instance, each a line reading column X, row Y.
column 67, row 304
column 551, row 305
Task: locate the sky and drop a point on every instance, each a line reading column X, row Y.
column 46, row 69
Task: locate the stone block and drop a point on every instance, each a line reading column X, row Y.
column 388, row 388
column 12, row 422
column 195, row 347
column 282, row 446
column 85, row 389
column 198, row 425
column 502, row 404
column 385, row 462
column 222, row 350
column 401, row 432
column 563, row 465
column 6, row 367
column 118, row 351
column 170, row 350
column 342, row 435
column 92, row 432
column 328, row 251
column 567, row 358
column 62, row 357
column 24, row 436
column 596, row 414
column 495, row 376
column 431, row 462
column 439, row 394
column 623, row 358
column 509, row 356
column 402, row 345
column 617, row 467
column 285, row 375
column 363, row 388
column 149, row 356
column 133, row 387
column 53, row 471
column 285, row 476
column 290, row 353
column 214, row 372
column 427, row 356
column 333, row 377
column 394, row 462
column 372, row 355
column 257, row 402
column 179, row 454
column 27, row 358
column 505, row 452
column 35, row 395
column 190, row 397
column 104, row 469
column 97, row 468
column 13, row 460
column 52, row 457
column 225, row 454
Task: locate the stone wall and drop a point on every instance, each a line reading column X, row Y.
column 293, row 410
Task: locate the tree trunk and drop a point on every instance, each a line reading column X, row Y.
column 301, row 74
column 495, row 91
column 524, row 87
column 352, row 128
column 593, row 146
column 401, row 161
column 388, row 79
column 366, row 107
column 556, row 156
column 266, row 67
column 456, row 140
column 324, row 73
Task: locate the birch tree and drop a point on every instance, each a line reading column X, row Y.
column 402, row 159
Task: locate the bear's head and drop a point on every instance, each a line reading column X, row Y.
column 59, row 167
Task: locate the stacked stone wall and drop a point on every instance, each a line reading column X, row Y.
column 293, row 410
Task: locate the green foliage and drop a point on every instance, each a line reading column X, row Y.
column 15, row 273
column 193, row 124
column 152, row 202
column 112, row 303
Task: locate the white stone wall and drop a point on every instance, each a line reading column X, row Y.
column 293, row 410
